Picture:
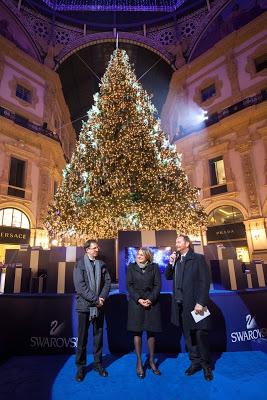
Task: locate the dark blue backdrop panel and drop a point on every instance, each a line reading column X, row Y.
column 126, row 239
column 166, row 238
column 134, row 239
column 47, row 324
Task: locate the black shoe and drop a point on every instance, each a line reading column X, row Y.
column 152, row 366
column 79, row 377
column 101, row 370
column 192, row 370
column 208, row 375
column 140, row 373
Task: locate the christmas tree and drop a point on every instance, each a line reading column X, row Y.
column 124, row 174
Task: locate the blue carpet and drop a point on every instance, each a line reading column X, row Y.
column 237, row 376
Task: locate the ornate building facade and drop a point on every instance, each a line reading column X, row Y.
column 36, row 139
column 217, row 49
column 226, row 156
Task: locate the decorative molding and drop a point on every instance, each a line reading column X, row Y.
column 244, row 149
column 232, row 71
column 251, row 67
column 49, row 104
column 25, row 83
column 212, row 149
column 43, row 193
column 20, row 204
column 21, row 150
column 214, row 80
column 103, row 37
column 226, row 202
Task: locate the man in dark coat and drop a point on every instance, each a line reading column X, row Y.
column 191, row 282
column 92, row 284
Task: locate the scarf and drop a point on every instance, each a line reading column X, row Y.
column 94, row 278
column 178, row 280
column 142, row 266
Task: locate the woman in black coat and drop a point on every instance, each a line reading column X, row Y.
column 144, row 285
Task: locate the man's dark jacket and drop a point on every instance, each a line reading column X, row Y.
column 86, row 298
column 195, row 289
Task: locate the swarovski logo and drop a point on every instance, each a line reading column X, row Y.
column 55, row 340
column 251, row 323
column 56, row 328
column 253, row 332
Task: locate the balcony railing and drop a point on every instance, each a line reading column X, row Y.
column 218, row 116
column 218, row 189
column 19, row 120
column 16, row 191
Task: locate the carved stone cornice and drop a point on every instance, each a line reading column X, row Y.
column 244, row 147
column 213, row 150
column 20, row 149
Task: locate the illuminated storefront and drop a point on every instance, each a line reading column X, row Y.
column 14, row 230
column 226, row 227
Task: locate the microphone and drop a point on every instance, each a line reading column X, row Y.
column 175, row 255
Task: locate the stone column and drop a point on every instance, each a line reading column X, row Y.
column 232, row 72
column 5, row 170
column 44, row 193
column 244, row 149
column 49, row 104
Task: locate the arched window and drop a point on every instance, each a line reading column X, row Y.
column 225, row 215
column 14, row 218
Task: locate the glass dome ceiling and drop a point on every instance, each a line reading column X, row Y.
column 114, row 5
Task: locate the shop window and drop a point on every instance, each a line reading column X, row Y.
column 208, row 92
column 242, row 254
column 225, row 215
column 261, row 62
column 23, row 93
column 14, row 218
column 17, row 178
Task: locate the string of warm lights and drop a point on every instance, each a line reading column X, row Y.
column 114, row 5
column 124, row 174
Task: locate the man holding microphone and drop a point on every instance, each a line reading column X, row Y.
column 191, row 282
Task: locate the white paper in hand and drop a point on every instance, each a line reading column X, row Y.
column 199, row 317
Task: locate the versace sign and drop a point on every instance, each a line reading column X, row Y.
column 14, row 235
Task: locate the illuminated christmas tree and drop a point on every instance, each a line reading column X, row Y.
column 124, row 174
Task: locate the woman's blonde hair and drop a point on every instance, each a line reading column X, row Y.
column 147, row 253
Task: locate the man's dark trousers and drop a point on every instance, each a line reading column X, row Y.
column 197, row 344
column 83, row 327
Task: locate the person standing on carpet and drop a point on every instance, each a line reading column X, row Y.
column 92, row 284
column 191, row 282
column 144, row 285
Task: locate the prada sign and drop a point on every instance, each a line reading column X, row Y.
column 226, row 232
column 14, row 235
